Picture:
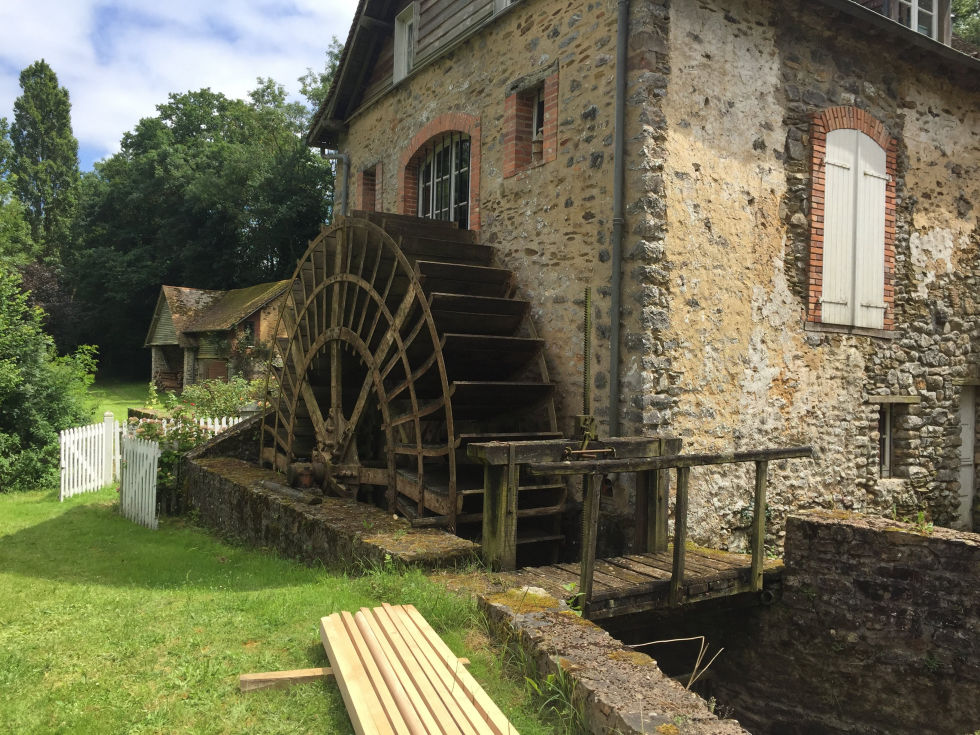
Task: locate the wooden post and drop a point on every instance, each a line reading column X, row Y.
column 644, row 514
column 651, row 510
column 680, row 535
column 759, row 524
column 108, row 425
column 590, row 530
column 500, row 514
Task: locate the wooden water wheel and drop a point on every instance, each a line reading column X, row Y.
column 400, row 345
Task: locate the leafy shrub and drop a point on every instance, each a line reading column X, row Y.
column 179, row 435
column 217, row 398
column 40, row 392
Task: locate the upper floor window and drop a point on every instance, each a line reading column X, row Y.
column 919, row 15
column 852, row 236
column 444, row 180
column 406, row 26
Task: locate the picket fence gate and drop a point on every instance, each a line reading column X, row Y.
column 138, row 484
column 89, row 457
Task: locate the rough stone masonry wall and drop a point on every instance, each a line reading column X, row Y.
column 745, row 81
column 878, row 631
column 550, row 224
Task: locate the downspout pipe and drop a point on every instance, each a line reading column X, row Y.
column 344, row 159
column 619, row 183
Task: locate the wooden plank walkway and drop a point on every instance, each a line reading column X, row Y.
column 397, row 676
column 641, row 582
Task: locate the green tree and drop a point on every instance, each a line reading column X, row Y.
column 40, row 393
column 212, row 193
column 966, row 20
column 45, row 159
column 16, row 246
column 316, row 85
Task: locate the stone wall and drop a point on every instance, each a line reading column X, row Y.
column 550, row 223
column 878, row 631
column 746, row 80
column 721, row 96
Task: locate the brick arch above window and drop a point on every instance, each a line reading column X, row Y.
column 823, row 124
column 418, row 148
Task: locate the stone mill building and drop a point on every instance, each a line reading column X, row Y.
column 776, row 204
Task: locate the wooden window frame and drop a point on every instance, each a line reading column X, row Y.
column 418, row 148
column 406, row 36
column 824, row 122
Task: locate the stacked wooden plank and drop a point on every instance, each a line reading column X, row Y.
column 397, row 676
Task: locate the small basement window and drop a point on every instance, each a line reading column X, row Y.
column 891, row 453
column 885, row 439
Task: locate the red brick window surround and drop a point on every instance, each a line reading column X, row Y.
column 531, row 126
column 368, row 185
column 423, row 143
column 862, row 212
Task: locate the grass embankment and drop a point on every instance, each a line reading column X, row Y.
column 106, row 627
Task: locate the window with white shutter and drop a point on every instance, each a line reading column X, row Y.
column 854, row 230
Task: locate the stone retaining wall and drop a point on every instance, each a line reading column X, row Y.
column 227, row 495
column 878, row 631
column 615, row 689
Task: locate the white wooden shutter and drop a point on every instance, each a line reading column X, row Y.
column 869, row 244
column 838, row 227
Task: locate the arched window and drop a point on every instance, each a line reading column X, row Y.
column 852, row 218
column 444, row 180
column 854, row 230
column 439, row 171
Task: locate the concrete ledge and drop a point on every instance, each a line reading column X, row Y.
column 617, row 689
column 228, row 498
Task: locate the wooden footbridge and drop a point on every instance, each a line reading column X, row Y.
column 661, row 572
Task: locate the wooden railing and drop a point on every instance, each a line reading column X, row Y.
column 652, row 486
column 502, row 482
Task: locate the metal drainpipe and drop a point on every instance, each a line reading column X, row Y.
column 345, row 159
column 622, row 43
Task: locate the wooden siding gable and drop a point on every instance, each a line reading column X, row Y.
column 442, row 21
column 162, row 330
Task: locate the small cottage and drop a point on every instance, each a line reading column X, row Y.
column 199, row 334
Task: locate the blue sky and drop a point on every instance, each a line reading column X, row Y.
column 120, row 58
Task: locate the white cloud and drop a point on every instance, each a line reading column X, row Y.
column 120, row 58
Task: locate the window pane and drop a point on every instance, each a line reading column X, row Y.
column 925, row 6
column 925, row 23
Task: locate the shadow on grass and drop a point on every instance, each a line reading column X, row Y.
column 93, row 544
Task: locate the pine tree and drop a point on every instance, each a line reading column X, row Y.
column 45, row 159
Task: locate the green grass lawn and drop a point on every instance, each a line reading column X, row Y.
column 116, row 396
column 107, row 627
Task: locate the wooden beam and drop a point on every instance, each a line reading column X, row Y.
column 549, row 450
column 759, row 525
column 281, row 679
column 680, row 536
column 638, row 464
column 590, row 531
column 499, row 541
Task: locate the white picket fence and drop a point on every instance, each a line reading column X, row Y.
column 89, row 457
column 212, row 425
column 99, row 454
column 138, row 484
